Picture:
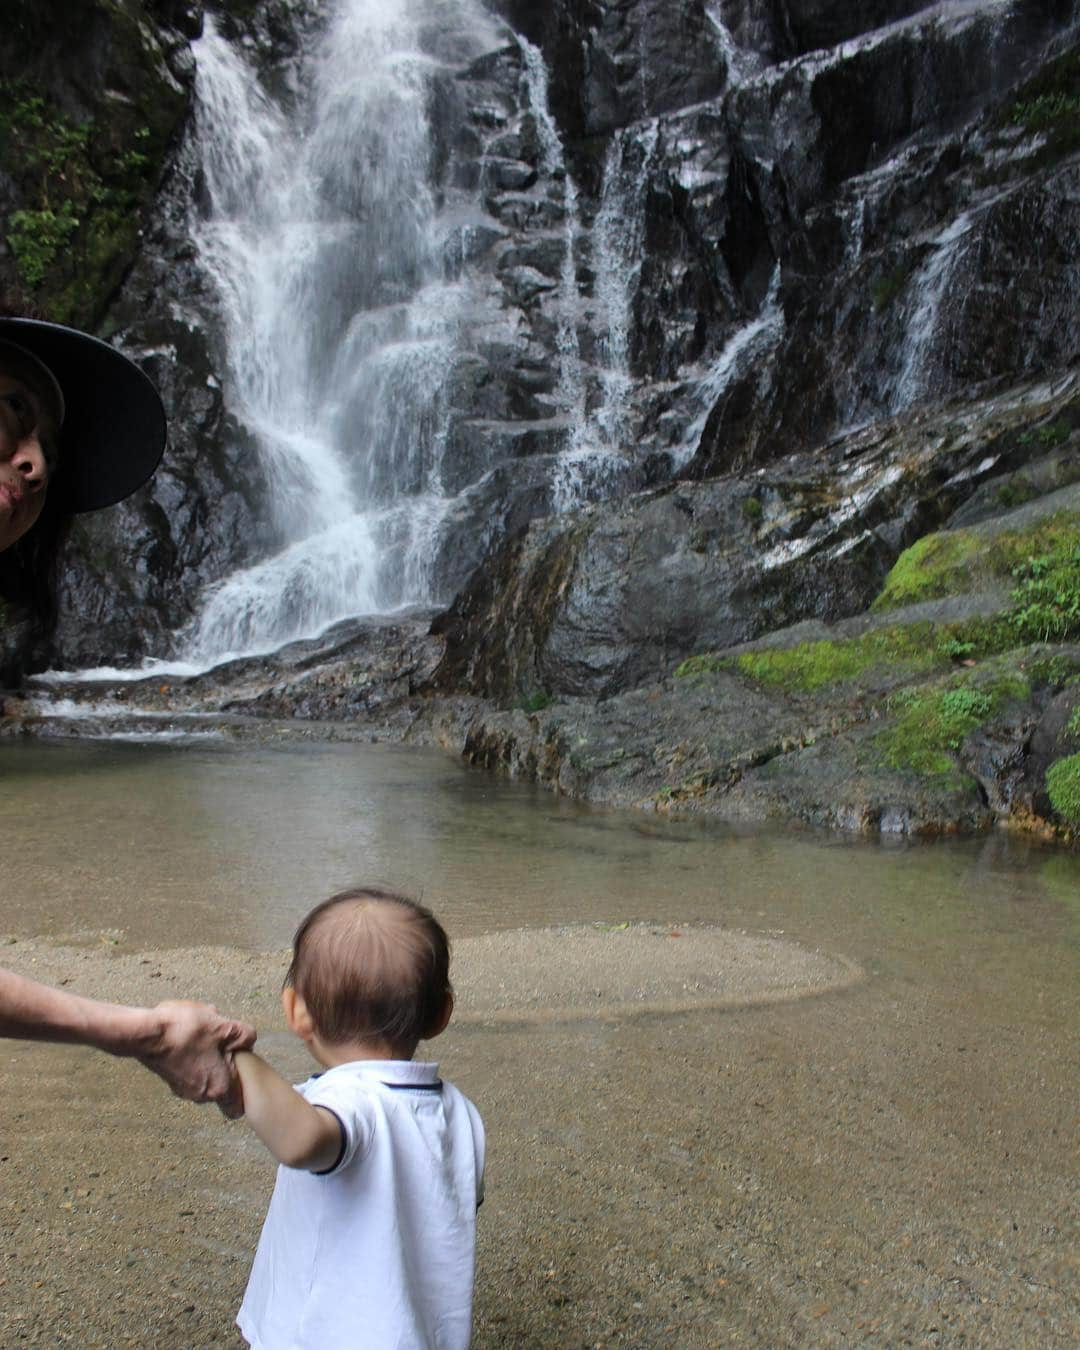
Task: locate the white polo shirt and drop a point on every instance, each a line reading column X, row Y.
column 380, row 1250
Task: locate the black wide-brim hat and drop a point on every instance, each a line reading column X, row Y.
column 114, row 430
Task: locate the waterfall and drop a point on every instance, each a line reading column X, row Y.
column 597, row 460
column 741, row 64
column 617, row 244
column 929, row 288
column 322, row 241
column 759, row 337
column 571, row 379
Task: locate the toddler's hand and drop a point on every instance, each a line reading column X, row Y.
column 194, row 1053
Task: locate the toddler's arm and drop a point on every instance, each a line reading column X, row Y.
column 296, row 1133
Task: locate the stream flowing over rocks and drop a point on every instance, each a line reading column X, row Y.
column 674, row 403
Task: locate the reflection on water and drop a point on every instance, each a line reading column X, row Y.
column 199, row 843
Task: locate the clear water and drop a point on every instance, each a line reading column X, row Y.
column 191, row 844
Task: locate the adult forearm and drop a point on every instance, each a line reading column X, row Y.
column 190, row 1045
column 36, row 1012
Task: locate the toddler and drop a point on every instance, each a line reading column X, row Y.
column 370, row 1237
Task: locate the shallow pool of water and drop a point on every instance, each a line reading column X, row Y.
column 207, row 843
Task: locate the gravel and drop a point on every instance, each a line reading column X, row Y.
column 698, row 1137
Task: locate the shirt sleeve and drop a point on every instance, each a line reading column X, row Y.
column 480, row 1148
column 354, row 1112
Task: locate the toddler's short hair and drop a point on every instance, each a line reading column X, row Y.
column 372, row 965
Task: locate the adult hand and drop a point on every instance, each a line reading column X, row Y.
column 193, row 1053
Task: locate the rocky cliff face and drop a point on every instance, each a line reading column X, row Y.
column 731, row 232
column 763, row 294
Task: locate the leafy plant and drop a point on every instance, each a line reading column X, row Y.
column 1046, row 110
column 1015, row 492
column 965, row 704
column 956, row 649
column 37, row 237
column 1046, row 600
column 932, row 723
column 1055, row 433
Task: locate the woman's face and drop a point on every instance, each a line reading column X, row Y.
column 24, row 471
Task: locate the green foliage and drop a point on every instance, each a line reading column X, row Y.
column 78, row 187
column 965, row 704
column 1049, row 103
column 932, row 723
column 956, row 648
column 1046, row 111
column 1073, row 724
column 1063, row 788
column 1015, row 492
column 752, row 508
column 1056, row 433
column 36, row 239
column 885, row 290
column 1046, row 600
column 537, row 701
column 1055, row 670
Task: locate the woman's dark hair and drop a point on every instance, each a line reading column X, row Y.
column 30, row 569
column 371, row 964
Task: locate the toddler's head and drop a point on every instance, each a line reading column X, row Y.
column 372, row 967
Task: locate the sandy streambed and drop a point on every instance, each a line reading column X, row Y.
column 698, row 1137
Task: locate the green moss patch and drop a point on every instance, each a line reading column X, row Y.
column 936, row 565
column 1063, row 788
column 815, row 665
column 910, row 649
column 951, row 562
column 932, row 723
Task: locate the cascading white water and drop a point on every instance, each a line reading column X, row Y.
column 923, row 329
column 589, row 463
column 741, row 64
column 598, row 453
column 752, row 341
column 322, row 240
column 553, row 163
column 617, row 244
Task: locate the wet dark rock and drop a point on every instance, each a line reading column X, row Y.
column 604, row 599
column 1050, row 739
column 524, row 284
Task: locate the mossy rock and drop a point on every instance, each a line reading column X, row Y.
column 1041, row 555
column 810, row 666
column 932, row 721
column 1063, row 788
